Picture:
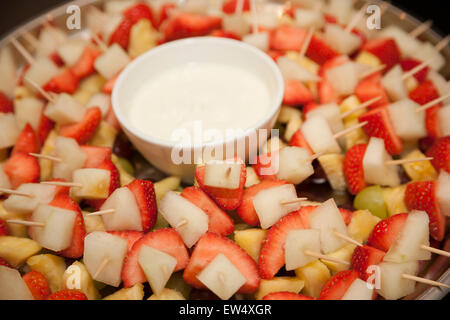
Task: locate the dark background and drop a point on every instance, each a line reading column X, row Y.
column 15, row 12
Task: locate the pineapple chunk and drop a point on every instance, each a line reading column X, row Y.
column 47, row 149
column 15, row 230
column 17, row 250
column 411, row 83
column 345, row 253
column 136, row 292
column 252, row 177
column 288, row 113
column 357, row 136
column 92, row 84
column 368, row 59
column 394, row 198
column 277, row 284
column 315, row 275
column 167, row 294
column 333, row 165
column 77, row 277
column 419, row 171
column 352, row 102
column 305, row 62
column 21, row 92
column 292, row 126
column 142, row 38
column 125, row 177
column 250, row 240
column 51, row 266
column 361, row 225
column 93, row 223
column 104, row 136
column 165, row 185
column 273, row 144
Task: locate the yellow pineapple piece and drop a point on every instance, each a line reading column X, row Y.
column 277, row 284
column 315, row 275
column 104, row 136
column 17, row 250
column 143, row 37
column 394, row 198
column 411, row 83
column 165, row 185
column 333, row 166
column 47, row 149
column 361, row 225
column 76, row 276
column 93, row 83
column 345, row 254
column 21, row 92
column 369, row 59
column 419, row 171
column 292, row 126
column 82, row 95
column 51, row 266
column 15, row 230
column 250, row 240
column 125, row 177
column 305, row 62
column 136, row 292
column 93, row 223
column 287, row 113
column 357, row 136
column 273, row 144
column 167, row 294
column 252, row 177
column 350, row 103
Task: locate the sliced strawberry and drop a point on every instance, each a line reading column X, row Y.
column 225, row 34
column 45, row 126
column 385, row 49
column 432, row 123
column 37, row 284
column 165, row 240
column 440, row 152
column 164, row 12
column 286, row 38
column 219, row 221
column 386, row 231
column 229, row 6
column 66, row 82
column 114, row 183
column 319, row 51
column 96, row 155
column 27, row 142
column 130, row 236
column 309, row 107
column 262, row 165
column 56, row 58
column 364, row 257
column 4, row 263
column 112, row 120
column 410, row 63
column 121, row 35
column 327, row 94
column 353, row 168
column 3, row 228
column 285, row 295
column 379, row 125
column 76, row 248
column 296, row 93
column 22, row 168
column 370, row 88
column 109, row 85
column 183, row 25
column 67, row 295
column 306, row 211
column 83, row 131
column 227, row 199
column 298, row 140
column 138, row 12
column 329, row 18
column 6, row 104
column 347, row 215
column 275, row 54
column 422, row 196
column 271, row 257
column 336, row 287
column 85, row 64
column 144, row 193
column 207, row 248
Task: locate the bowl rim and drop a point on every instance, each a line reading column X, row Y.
column 177, row 45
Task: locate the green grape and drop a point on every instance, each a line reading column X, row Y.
column 371, row 198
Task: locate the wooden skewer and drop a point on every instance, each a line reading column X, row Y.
column 44, row 93
column 433, row 103
column 442, row 44
column 27, row 223
column 101, row 267
column 307, row 42
column 416, row 69
column 436, row 251
column 325, row 257
column 405, row 161
column 31, row 39
column 182, row 223
column 63, row 184
column 15, row 192
column 347, row 238
column 239, row 7
column 293, row 201
column 360, row 107
column 317, row 156
column 346, row 131
column 372, row 71
column 421, row 28
column 46, row 157
column 25, row 54
column 426, row 281
column 358, row 16
column 100, row 212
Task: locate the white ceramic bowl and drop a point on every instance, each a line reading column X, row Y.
column 202, row 49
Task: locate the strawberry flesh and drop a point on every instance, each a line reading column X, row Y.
column 353, row 168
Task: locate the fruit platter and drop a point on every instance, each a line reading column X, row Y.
column 356, row 208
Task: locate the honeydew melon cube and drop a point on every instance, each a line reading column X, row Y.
column 41, row 71
column 326, row 218
column 408, row 124
column 259, row 40
column 8, row 70
column 341, row 9
column 332, row 113
column 394, row 85
column 71, row 155
column 57, row 233
column 440, row 83
column 196, row 6
column 414, row 234
column 112, row 21
column 126, row 215
column 12, row 286
column 100, row 100
column 71, row 51
column 223, row 174
column 99, row 247
column 28, row 110
column 65, row 110
column 177, row 210
column 111, row 61
column 158, row 266
column 50, row 38
column 297, row 241
column 118, row 6
column 375, row 169
column 94, row 183
column 407, row 44
column 9, row 129
column 444, row 120
column 222, row 277
column 269, row 207
column 358, row 290
column 295, row 165
column 236, row 23
column 319, row 136
column 305, row 18
column 41, row 194
column 252, row 178
column 392, row 285
column 427, row 52
column 4, row 179
column 344, row 78
column 292, row 70
column 310, row 4
column 341, row 40
column 443, row 192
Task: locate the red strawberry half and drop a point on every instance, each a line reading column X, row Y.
column 114, row 183
column 319, row 51
column 386, row 231
column 66, row 81
column 229, row 6
column 85, row 64
column 45, row 126
column 287, row 38
column 6, row 105
column 130, row 236
column 411, row 63
column 262, row 165
column 385, row 49
column 3, row 228
column 37, row 284
column 96, row 155
column 440, row 151
column 364, row 257
column 67, row 295
column 336, row 287
column 370, row 88
column 27, row 142
column 183, row 24
column 144, row 193
column 284, row 295
column 22, row 168
column 298, row 140
column 296, row 93
column 84, row 130
column 353, row 168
